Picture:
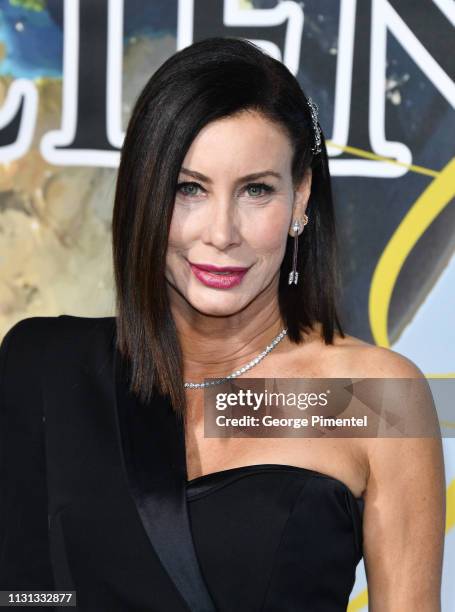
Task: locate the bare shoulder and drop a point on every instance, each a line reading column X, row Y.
column 405, row 492
column 350, row 356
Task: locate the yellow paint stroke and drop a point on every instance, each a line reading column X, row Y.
column 444, row 375
column 447, row 424
column 390, row 160
column 437, row 195
column 422, row 213
column 450, row 509
column 360, row 601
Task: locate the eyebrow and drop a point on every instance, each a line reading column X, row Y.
column 248, row 177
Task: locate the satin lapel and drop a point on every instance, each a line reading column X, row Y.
column 153, row 442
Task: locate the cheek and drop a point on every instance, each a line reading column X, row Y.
column 175, row 244
column 186, row 226
column 268, row 234
column 176, row 236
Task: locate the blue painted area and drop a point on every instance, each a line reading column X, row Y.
column 33, row 43
column 33, row 40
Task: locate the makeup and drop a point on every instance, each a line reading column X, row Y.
column 218, row 277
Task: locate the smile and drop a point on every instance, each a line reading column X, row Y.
column 218, row 277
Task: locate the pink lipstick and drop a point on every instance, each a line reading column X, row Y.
column 218, row 277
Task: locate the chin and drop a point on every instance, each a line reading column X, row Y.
column 222, row 306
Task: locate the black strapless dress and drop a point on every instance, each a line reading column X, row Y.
column 95, row 496
column 276, row 538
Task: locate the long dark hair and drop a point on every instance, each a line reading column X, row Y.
column 205, row 81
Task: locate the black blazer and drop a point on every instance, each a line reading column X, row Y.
column 73, row 437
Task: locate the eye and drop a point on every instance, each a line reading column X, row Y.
column 188, row 189
column 256, row 190
column 259, row 189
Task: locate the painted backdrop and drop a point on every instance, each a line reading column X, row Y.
column 382, row 74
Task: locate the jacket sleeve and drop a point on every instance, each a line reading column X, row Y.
column 24, row 546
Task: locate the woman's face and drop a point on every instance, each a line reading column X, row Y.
column 225, row 218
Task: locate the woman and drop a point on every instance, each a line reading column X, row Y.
column 223, row 244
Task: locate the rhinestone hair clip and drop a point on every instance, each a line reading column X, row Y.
column 316, row 148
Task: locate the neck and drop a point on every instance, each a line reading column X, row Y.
column 214, row 346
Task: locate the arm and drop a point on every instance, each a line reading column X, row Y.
column 24, row 549
column 404, row 519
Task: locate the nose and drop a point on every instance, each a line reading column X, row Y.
column 221, row 229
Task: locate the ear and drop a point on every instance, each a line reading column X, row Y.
column 301, row 197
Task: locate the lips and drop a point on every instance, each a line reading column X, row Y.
column 212, row 268
column 218, row 277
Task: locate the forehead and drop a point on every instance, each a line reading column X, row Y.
column 244, row 142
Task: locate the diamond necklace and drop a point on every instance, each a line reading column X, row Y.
column 245, row 368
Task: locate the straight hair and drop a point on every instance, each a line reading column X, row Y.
column 210, row 79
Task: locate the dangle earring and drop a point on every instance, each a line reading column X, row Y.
column 293, row 274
